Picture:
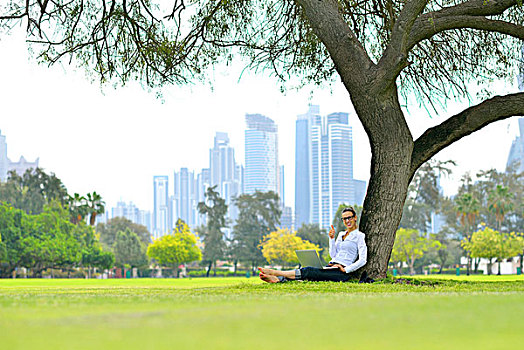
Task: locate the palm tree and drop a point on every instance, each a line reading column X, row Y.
column 467, row 208
column 95, row 206
column 77, row 208
column 500, row 201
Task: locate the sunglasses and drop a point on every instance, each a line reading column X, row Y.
column 348, row 218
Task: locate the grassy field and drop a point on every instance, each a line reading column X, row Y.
column 484, row 312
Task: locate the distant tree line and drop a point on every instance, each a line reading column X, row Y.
column 43, row 227
column 485, row 219
column 47, row 240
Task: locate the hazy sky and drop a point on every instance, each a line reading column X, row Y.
column 114, row 141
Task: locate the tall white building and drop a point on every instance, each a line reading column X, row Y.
column 303, row 165
column 261, row 155
column 161, row 212
column 516, row 153
column 186, row 197
column 324, row 167
column 331, row 166
column 224, row 172
column 4, row 162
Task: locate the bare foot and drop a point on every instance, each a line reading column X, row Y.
column 266, row 271
column 269, row 278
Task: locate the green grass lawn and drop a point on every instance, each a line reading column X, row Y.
column 484, row 312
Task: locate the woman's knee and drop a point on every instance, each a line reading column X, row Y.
column 308, row 272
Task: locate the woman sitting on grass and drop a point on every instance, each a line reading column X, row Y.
column 344, row 251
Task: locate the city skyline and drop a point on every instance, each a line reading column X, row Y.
column 115, row 140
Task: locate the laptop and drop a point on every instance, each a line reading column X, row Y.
column 309, row 257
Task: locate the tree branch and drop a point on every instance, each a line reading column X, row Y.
column 395, row 56
column 19, row 16
column 348, row 54
column 463, row 124
column 472, row 8
column 460, row 22
column 466, row 15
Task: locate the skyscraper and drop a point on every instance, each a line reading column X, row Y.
column 161, row 213
column 224, row 172
column 185, row 199
column 516, row 153
column 3, row 158
column 302, row 166
column 261, row 154
column 331, row 166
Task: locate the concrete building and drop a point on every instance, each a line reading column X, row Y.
column 324, row 167
column 4, row 161
column 286, row 220
column 130, row 212
column 224, row 172
column 22, row 165
column 516, row 152
column 302, row 165
column 161, row 213
column 261, row 155
column 359, row 188
column 185, row 197
column 331, row 169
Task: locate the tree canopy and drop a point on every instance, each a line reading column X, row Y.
column 259, row 215
column 108, row 231
column 278, row 247
column 47, row 240
column 488, row 243
column 174, row 249
column 433, row 47
column 410, row 246
column 215, row 210
column 32, row 190
column 129, row 250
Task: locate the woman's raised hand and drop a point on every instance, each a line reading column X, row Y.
column 332, row 232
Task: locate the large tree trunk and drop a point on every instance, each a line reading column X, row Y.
column 391, row 146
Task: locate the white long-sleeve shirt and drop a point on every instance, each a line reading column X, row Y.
column 345, row 252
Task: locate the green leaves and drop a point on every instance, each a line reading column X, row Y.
column 488, row 243
column 177, row 248
column 279, row 247
column 46, row 240
column 129, row 250
column 259, row 214
column 410, row 245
